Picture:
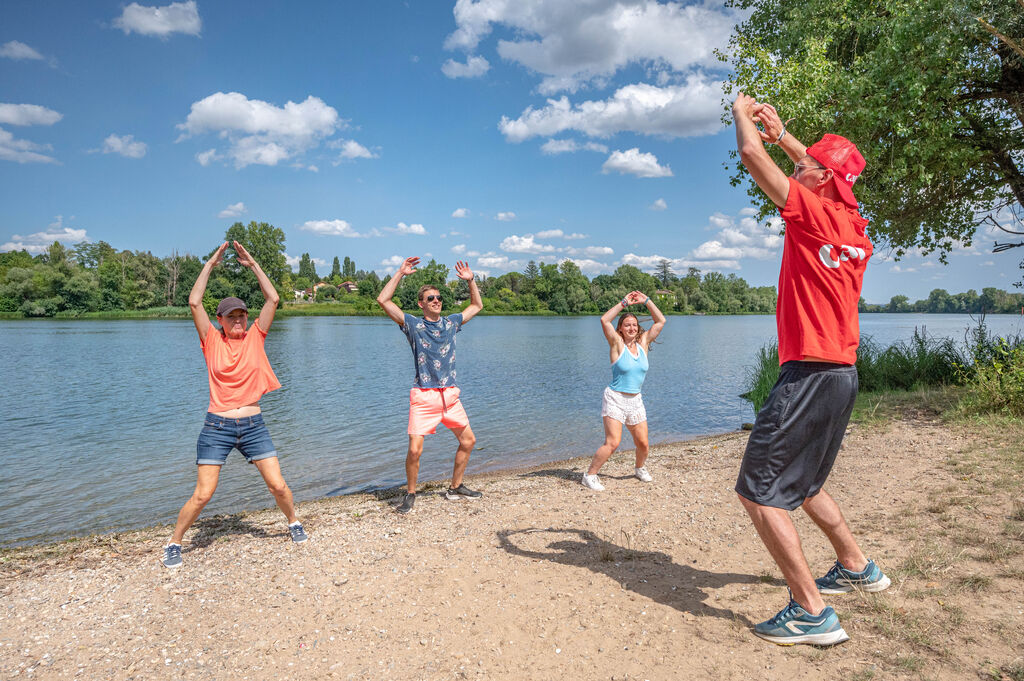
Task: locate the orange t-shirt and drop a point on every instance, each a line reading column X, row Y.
column 824, row 257
column 240, row 372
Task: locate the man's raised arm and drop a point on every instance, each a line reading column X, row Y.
column 384, row 299
column 476, row 301
column 755, row 159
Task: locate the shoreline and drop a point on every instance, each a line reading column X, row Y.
column 379, row 493
column 297, row 311
column 544, row 579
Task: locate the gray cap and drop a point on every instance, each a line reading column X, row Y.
column 229, row 304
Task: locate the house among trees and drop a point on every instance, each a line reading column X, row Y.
column 350, row 286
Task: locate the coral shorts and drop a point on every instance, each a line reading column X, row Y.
column 431, row 406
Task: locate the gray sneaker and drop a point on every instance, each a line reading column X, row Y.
column 172, row 556
column 406, row 505
column 298, row 534
column 462, row 492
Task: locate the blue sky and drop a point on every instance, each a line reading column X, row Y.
column 495, row 131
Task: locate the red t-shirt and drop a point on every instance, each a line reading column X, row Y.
column 239, row 370
column 823, row 261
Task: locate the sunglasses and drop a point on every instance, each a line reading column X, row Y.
column 432, row 298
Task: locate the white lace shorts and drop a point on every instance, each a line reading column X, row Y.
column 629, row 409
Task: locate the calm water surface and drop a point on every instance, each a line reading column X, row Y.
column 100, row 418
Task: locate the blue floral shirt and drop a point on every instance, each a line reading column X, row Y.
column 433, row 349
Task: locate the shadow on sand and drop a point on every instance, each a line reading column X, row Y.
column 651, row 574
column 210, row 529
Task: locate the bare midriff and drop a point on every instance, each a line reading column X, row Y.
column 811, row 358
column 240, row 412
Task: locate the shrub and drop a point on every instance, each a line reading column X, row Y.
column 996, row 386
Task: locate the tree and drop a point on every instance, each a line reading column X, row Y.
column 665, row 273
column 336, row 268
column 899, row 304
column 307, row 269
column 931, row 91
column 531, row 271
column 265, row 244
column 349, row 270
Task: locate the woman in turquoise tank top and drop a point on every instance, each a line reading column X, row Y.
column 628, row 345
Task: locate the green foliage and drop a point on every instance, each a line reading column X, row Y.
column 307, row 270
column 762, row 375
column 995, row 384
column 433, row 273
column 992, row 369
column 933, row 98
column 923, row 361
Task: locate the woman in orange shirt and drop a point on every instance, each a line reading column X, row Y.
column 240, row 375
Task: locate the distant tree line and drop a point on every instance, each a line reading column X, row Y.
column 991, row 301
column 96, row 277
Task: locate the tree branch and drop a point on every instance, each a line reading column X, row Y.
column 1013, row 44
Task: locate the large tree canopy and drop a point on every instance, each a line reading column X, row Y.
column 931, row 91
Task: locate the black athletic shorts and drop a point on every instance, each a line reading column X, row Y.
column 797, row 434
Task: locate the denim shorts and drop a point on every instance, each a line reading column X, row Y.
column 220, row 435
column 797, row 434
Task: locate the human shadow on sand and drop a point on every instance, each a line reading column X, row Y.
column 572, row 475
column 210, row 529
column 560, row 473
column 651, row 574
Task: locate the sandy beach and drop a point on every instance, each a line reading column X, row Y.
column 543, row 579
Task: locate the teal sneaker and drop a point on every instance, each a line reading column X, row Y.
column 795, row 625
column 839, row 580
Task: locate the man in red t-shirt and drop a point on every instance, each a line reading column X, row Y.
column 797, row 433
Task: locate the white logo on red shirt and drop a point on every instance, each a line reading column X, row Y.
column 845, row 253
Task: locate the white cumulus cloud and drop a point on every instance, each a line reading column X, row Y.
column 125, row 145
column 634, row 162
column 330, row 228
column 351, row 149
column 22, row 151
column 458, row 249
column 572, row 44
column 524, row 244
column 259, row 132
column 690, row 109
column 40, row 241
column 15, row 49
column 659, row 205
column 232, row 211
column 27, row 114
column 552, row 147
column 460, row 213
column 506, row 216
column 473, row 68
column 590, row 251
column 588, row 266
column 736, row 238
column 403, row 228
column 177, row 17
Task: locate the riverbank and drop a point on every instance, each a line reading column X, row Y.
column 543, row 579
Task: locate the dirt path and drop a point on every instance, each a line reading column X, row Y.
column 543, row 579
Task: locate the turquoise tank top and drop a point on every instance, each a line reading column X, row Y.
column 628, row 372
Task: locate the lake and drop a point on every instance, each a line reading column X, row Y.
column 100, row 418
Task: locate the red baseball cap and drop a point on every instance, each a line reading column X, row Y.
column 839, row 155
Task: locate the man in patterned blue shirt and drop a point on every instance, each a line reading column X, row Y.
column 434, row 397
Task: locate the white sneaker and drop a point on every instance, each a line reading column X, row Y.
column 642, row 474
column 591, row 482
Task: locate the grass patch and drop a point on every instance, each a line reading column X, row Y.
column 1011, row 672
column 910, row 663
column 1017, row 512
column 925, row 561
column 974, row 583
column 150, row 313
